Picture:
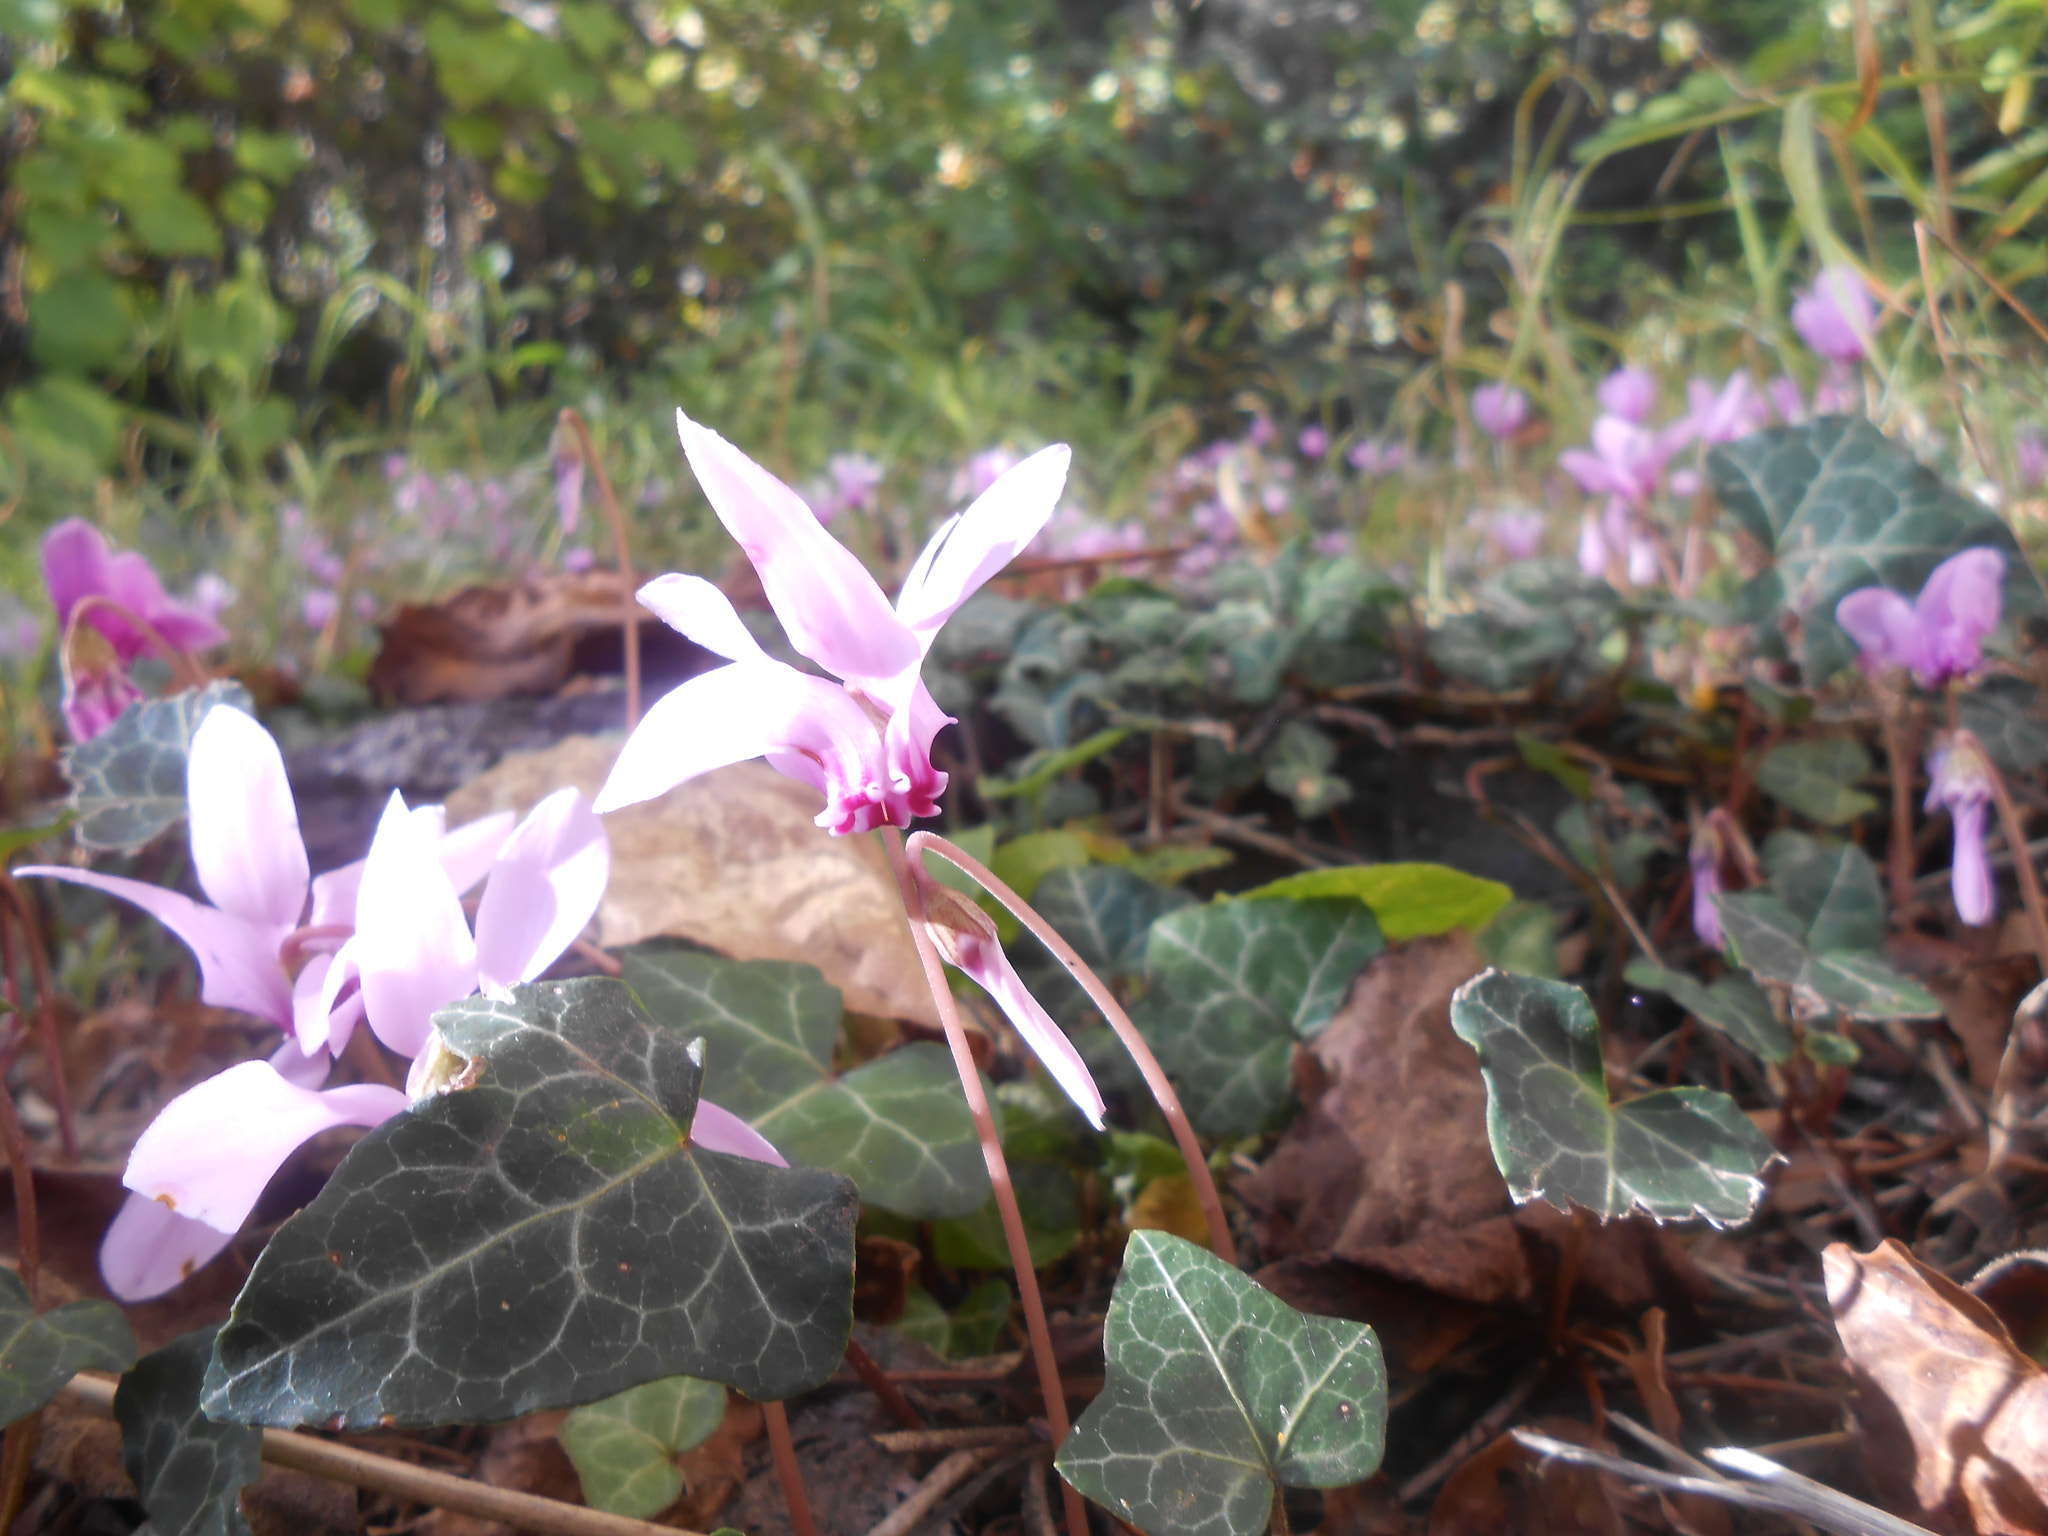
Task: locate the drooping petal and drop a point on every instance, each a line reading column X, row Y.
column 914, row 783
column 1885, row 626
column 411, row 941
column 1958, row 607
column 970, row 548
column 149, row 1248
column 546, row 884
column 982, row 958
column 134, row 584
column 246, row 847
column 720, row 1130
column 1970, row 871
column 299, row 1069
column 96, row 694
column 210, row 1151
column 238, row 966
column 1595, row 475
column 829, row 605
column 1592, row 547
column 694, row 608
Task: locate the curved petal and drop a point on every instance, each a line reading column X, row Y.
column 299, row 1069
column 546, row 884
column 970, row 548
column 411, row 941
column 914, row 784
column 693, row 607
column 75, row 559
column 210, row 1151
column 1970, row 872
column 133, row 583
column 1595, row 475
column 322, row 1018
column 1958, row 607
column 149, row 1248
column 465, row 853
column 829, row 605
column 1885, row 626
column 983, row 959
column 246, row 847
column 720, row 1130
column 238, row 965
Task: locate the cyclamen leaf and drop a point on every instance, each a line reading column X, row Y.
column 1733, row 1004
column 1410, row 901
column 2001, row 712
column 1234, row 986
column 543, row 1239
column 624, row 1449
column 1818, row 778
column 971, row 1330
column 1840, row 506
column 1768, row 938
column 128, row 782
column 1676, row 1153
column 189, row 1470
column 1217, row 1394
column 38, row 1354
column 1831, row 887
column 896, row 1125
column 1104, row 911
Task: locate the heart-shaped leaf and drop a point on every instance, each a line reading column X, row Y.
column 1831, row 887
column 1768, row 938
column 543, row 1239
column 1218, row 1394
column 189, row 1470
column 624, row 1448
column 1234, row 986
column 971, row 1329
column 1817, row 777
column 1673, row 1154
column 128, row 782
column 1840, row 506
column 39, row 1354
column 1732, row 1003
column 1410, row 901
column 896, row 1125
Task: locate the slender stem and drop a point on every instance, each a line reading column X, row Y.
column 46, row 1015
column 630, row 628
column 998, row 1169
column 2016, row 840
column 17, row 1460
column 1898, row 753
column 182, row 663
column 1148, row 1064
column 28, row 1233
column 877, row 1381
column 787, row 1472
column 1932, row 295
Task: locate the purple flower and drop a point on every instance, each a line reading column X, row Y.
column 318, row 608
column 1630, row 393
column 1836, row 315
column 981, row 472
column 1372, row 457
column 1500, row 410
column 1705, row 856
column 211, row 595
column 1314, row 442
column 1962, row 782
column 2030, row 458
column 1786, row 399
column 1517, row 532
column 1938, row 636
column 1729, row 413
column 1626, row 460
column 77, row 565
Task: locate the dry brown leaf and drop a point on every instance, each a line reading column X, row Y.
column 287, row 1503
column 734, row 860
column 715, row 1472
column 1507, row 1487
column 523, row 1455
column 1974, row 1408
column 884, row 1270
column 1977, row 991
column 1169, row 1204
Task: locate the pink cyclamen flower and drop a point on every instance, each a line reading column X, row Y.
column 1836, row 315
column 1626, row 460
column 1940, row 635
column 1962, row 782
column 1313, row 442
column 981, row 472
column 1500, row 410
column 2030, row 458
column 1372, row 457
column 1630, row 393
column 864, row 742
column 1705, row 856
column 1517, row 532
column 1729, row 413
column 77, row 565
column 1787, row 399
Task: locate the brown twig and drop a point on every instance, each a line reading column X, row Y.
column 1148, row 1064
column 17, row 1460
column 586, row 447
column 46, row 1014
column 918, row 1442
column 1483, row 1431
column 1898, row 751
column 782, row 1449
column 887, row 1393
column 940, row 1481
column 28, row 1235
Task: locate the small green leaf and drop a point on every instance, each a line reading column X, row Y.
column 971, row 1330
column 543, row 1239
column 128, row 782
column 1673, row 1154
column 2003, row 713
column 39, row 1354
column 1769, row 939
column 896, row 1125
column 1038, row 770
column 1733, row 1004
column 1830, row 1049
column 624, row 1448
column 189, row 1470
column 1522, row 937
column 1299, row 764
column 1048, row 1202
column 1818, row 778
column 1234, row 986
column 1548, row 757
column 1218, row 1394
column 1411, row 901
column 1023, row 861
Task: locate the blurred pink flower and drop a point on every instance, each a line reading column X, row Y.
column 981, row 472
column 1729, row 413
column 1626, row 460
column 1499, row 410
column 318, row 608
column 1517, row 532
column 1962, row 782
column 1313, row 442
column 1836, row 315
column 2030, row 458
column 567, row 464
column 1940, row 634
column 1630, row 393
column 1705, row 858
column 1787, row 399
column 78, row 565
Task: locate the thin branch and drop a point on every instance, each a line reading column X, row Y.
column 887, row 1393
column 918, row 1442
column 940, row 1481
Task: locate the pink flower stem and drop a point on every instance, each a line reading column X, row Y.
column 182, row 663
column 46, row 1013
column 1148, row 1064
column 630, row 625
column 787, row 1472
column 998, row 1169
column 2016, row 840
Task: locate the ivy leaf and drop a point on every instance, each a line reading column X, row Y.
column 1234, row 986
column 128, row 782
column 1831, row 887
column 1218, row 1394
column 1840, row 506
column 624, row 1449
column 1769, row 939
column 1410, row 901
column 1047, row 1200
column 1676, row 1153
column 543, row 1239
column 1733, row 1004
column 189, row 1470
column 2002, row 713
column 1300, row 764
column 896, row 1125
column 971, row 1330
column 38, row 1354
column 1818, row 778
column 1106, row 912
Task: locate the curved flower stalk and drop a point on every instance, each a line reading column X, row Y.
column 1939, row 636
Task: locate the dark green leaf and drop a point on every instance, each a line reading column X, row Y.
column 971, row 1330
column 1299, row 764
column 1047, row 1200
column 128, row 782
column 1733, row 1004
column 39, row 1354
column 896, row 1125
column 2003, row 713
column 1840, row 506
column 189, row 1470
column 1217, row 1394
column 1234, row 986
column 1410, row 901
column 1818, row 778
column 543, row 1239
column 1678, row 1153
column 624, row 1449
column 1831, row 887
column 1106, row 913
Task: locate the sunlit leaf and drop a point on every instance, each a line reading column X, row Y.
column 128, row 782
column 38, row 1354
column 624, row 1448
column 1673, row 1154
column 1411, row 901
column 543, row 1239
column 189, row 1470
column 1217, row 1395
